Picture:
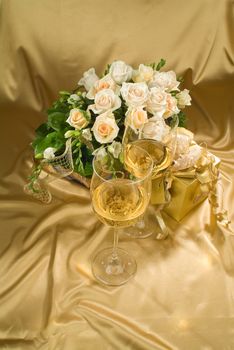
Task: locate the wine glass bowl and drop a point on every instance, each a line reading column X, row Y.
column 160, row 154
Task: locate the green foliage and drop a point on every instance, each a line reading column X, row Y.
column 57, row 120
column 34, row 177
column 64, row 93
column 182, row 119
column 107, row 69
column 159, row 65
column 88, row 170
column 54, row 139
column 82, row 158
column 43, row 130
column 174, row 93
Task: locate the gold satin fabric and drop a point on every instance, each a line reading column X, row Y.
column 182, row 296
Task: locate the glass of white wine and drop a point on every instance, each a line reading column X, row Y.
column 120, row 195
column 162, row 154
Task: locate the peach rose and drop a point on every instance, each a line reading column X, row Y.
column 105, row 128
column 77, row 119
column 171, row 108
column 136, row 118
column 143, row 74
column 102, row 84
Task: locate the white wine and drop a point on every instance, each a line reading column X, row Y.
column 160, row 154
column 119, row 202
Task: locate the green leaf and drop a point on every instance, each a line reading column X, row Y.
column 43, row 130
column 80, row 167
column 39, row 156
column 53, row 139
column 57, row 120
column 182, row 119
column 64, row 93
column 160, row 64
column 107, row 69
column 88, row 169
column 174, row 92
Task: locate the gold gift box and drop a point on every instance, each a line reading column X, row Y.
column 158, row 195
column 186, row 193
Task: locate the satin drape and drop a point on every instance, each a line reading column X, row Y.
column 182, row 295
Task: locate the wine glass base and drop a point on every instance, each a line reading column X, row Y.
column 162, row 236
column 139, row 230
column 113, row 271
column 150, row 224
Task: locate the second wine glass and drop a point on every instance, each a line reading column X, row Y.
column 162, row 153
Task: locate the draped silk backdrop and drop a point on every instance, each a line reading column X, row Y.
column 182, row 295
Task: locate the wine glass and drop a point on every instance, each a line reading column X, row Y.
column 120, row 192
column 162, row 154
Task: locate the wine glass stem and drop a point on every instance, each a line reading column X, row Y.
column 115, row 243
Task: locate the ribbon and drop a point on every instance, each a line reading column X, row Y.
column 164, row 230
column 218, row 215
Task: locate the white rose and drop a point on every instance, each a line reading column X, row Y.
column 73, row 98
column 171, row 107
column 105, row 83
column 143, row 74
column 100, row 153
column 88, row 80
column 135, row 94
column 156, row 129
column 87, row 135
column 49, row 153
column 183, row 141
column 120, row 72
column 105, row 128
column 136, row 118
column 157, row 101
column 189, row 159
column 184, row 99
column 77, row 119
column 115, row 148
column 105, row 100
column 165, row 80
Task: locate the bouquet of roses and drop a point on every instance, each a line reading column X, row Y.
column 97, row 112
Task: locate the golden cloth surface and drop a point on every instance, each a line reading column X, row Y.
column 182, row 296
